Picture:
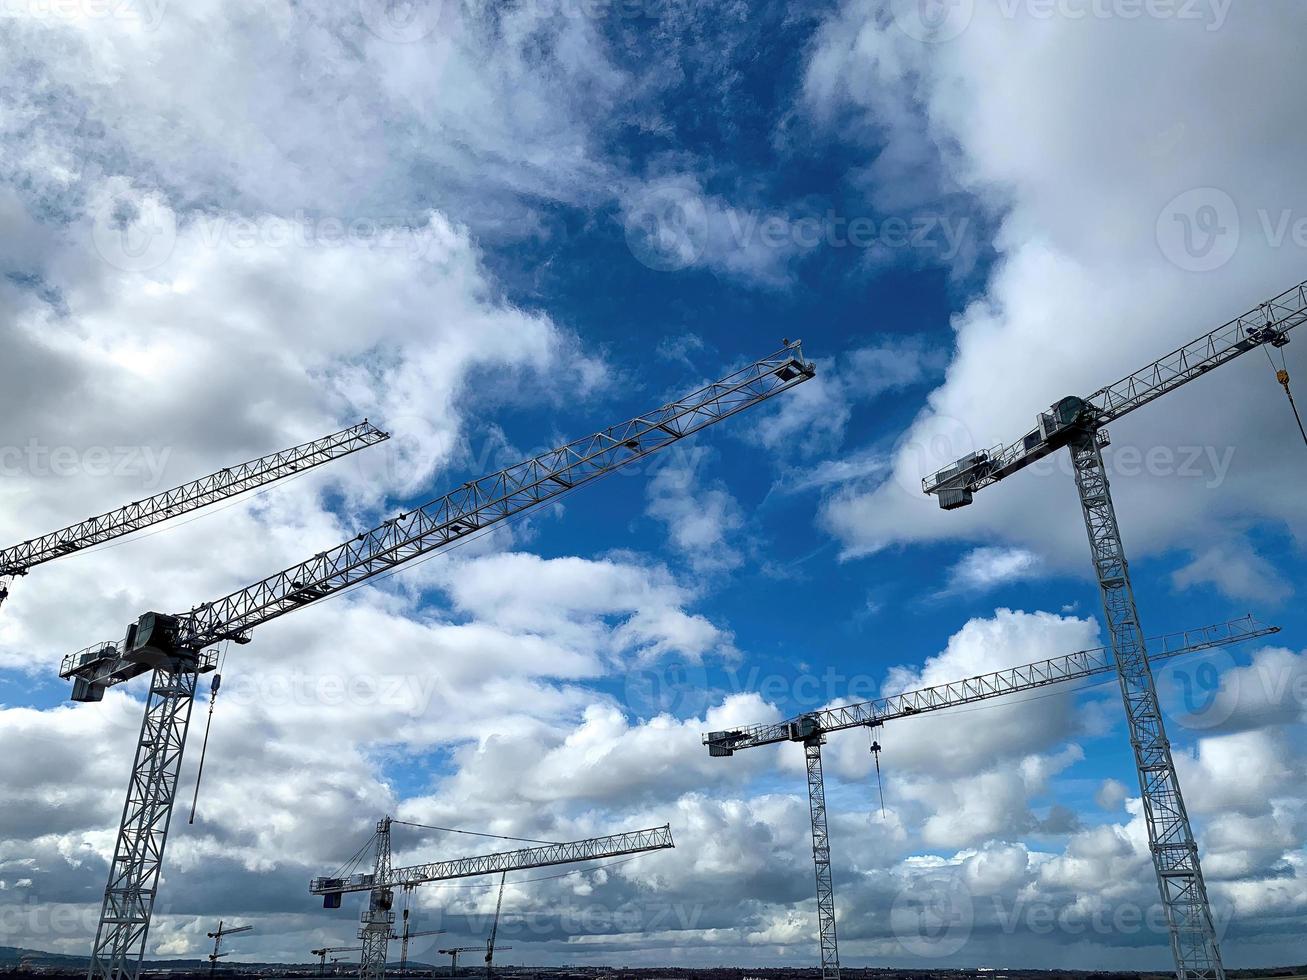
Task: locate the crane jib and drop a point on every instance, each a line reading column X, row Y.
column 615, row 845
column 230, row 481
column 489, row 500
column 177, row 641
column 1268, row 324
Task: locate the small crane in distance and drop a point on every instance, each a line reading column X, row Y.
column 217, row 938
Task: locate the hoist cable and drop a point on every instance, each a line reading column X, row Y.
column 1282, row 376
column 473, row 833
column 880, row 785
column 358, row 856
column 204, row 748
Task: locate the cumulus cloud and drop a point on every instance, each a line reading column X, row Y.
column 1087, row 288
column 982, row 569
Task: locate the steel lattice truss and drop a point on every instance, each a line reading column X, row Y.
column 227, row 482
column 1014, row 680
column 175, row 644
column 811, row 729
column 143, row 833
column 614, row 845
column 1175, row 852
column 830, row 953
column 377, row 921
column 475, row 506
column 1269, row 323
column 1078, row 424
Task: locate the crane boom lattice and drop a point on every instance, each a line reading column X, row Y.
column 227, row 482
column 1077, row 424
column 811, row 729
column 173, row 646
column 592, row 849
column 382, row 881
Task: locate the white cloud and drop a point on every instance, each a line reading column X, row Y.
column 1083, row 293
column 254, row 87
column 1236, row 571
column 812, row 419
column 701, row 517
column 986, row 568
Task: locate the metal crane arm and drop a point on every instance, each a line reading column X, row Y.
column 616, row 845
column 1269, row 323
column 158, row 640
column 1074, row 666
column 230, row 932
column 227, row 482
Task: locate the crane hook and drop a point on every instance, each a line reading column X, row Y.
column 1282, row 376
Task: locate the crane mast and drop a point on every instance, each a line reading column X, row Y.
column 810, row 730
column 380, row 884
column 377, row 921
column 494, row 928
column 173, row 646
column 1077, row 424
column 227, row 482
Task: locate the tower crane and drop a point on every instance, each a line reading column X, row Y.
column 810, row 730
column 174, row 648
column 226, row 482
column 321, row 954
column 217, row 938
column 1078, row 424
column 453, row 952
column 494, row 927
column 406, row 935
column 377, row 917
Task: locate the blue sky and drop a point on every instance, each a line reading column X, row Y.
column 229, row 228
